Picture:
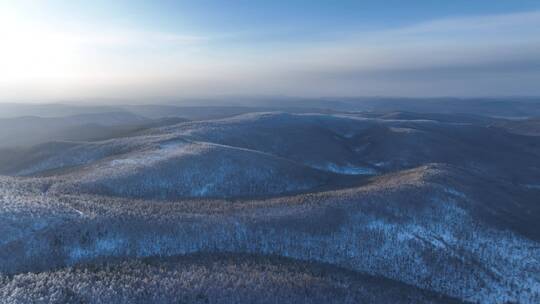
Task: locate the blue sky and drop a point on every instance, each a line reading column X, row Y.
column 126, row 49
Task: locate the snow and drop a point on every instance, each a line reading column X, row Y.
column 382, row 164
column 347, row 169
column 102, row 247
column 455, row 192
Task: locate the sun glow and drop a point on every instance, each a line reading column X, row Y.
column 34, row 53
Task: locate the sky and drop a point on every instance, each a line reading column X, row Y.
column 52, row 50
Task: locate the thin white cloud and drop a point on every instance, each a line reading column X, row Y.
column 439, row 42
column 131, row 38
column 482, row 55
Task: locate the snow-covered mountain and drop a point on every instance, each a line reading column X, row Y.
column 440, row 206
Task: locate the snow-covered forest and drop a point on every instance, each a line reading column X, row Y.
column 432, row 209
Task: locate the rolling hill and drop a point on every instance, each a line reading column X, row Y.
column 435, row 208
column 211, row 279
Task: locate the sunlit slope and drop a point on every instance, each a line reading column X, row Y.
column 176, row 169
column 211, row 279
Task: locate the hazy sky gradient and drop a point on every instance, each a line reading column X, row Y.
column 62, row 50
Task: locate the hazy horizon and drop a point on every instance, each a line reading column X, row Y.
column 55, row 51
column 248, row 100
